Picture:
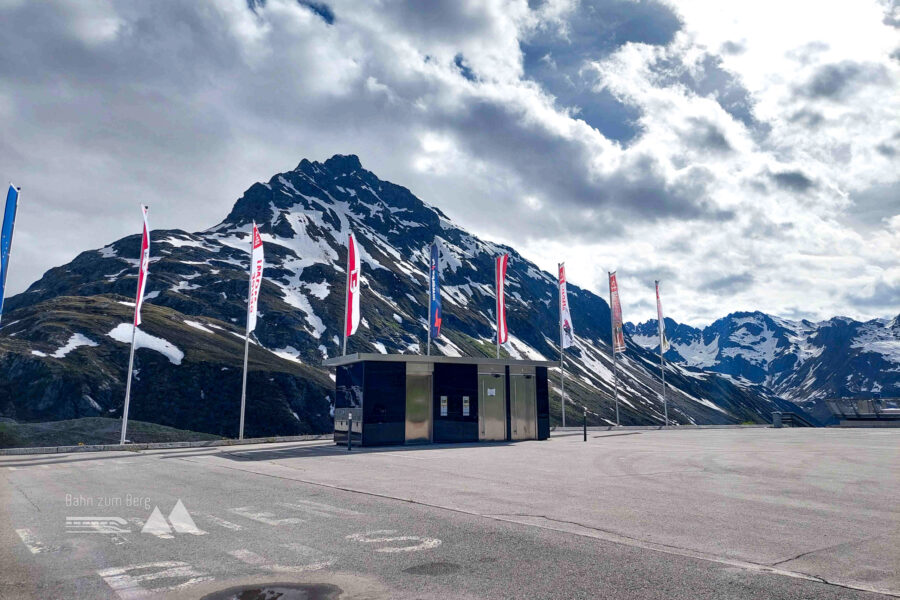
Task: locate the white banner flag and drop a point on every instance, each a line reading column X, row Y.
column 565, row 318
column 352, row 286
column 663, row 340
column 256, row 272
column 144, row 267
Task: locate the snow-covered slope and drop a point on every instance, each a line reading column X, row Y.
column 305, row 215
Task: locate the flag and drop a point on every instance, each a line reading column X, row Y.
column 9, row 224
column 256, row 271
column 502, row 332
column 352, row 286
column 616, row 308
column 663, row 340
column 434, row 311
column 144, row 267
column 565, row 318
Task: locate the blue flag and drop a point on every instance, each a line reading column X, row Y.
column 434, row 312
column 6, row 236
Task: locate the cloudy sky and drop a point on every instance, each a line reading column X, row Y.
column 745, row 153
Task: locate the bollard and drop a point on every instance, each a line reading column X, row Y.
column 585, row 424
column 349, row 431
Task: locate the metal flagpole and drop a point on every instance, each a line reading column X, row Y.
column 346, row 298
column 246, row 342
column 430, row 295
column 662, row 364
column 562, row 354
column 137, row 303
column 128, row 384
column 612, row 327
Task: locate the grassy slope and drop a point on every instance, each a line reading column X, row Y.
column 90, row 430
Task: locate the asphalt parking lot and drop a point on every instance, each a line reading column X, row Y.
column 750, row 513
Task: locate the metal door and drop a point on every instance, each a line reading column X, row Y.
column 418, row 403
column 522, row 406
column 492, row 404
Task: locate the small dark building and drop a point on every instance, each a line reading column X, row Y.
column 412, row 399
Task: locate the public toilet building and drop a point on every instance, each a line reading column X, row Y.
column 413, row 399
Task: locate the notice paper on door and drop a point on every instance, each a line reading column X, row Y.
column 492, row 391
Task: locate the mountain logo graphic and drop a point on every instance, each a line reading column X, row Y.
column 179, row 521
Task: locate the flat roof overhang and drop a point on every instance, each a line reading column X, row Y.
column 340, row 361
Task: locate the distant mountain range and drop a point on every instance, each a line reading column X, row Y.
column 801, row 361
column 64, row 341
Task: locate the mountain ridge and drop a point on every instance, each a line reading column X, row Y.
column 199, row 280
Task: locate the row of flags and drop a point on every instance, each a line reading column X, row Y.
column 352, row 304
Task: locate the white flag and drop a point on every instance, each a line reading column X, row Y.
column 663, row 340
column 144, row 267
column 256, row 271
column 352, row 286
column 565, row 318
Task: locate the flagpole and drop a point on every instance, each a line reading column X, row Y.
column 430, row 296
column 246, row 339
column 346, row 298
column 662, row 364
column 128, row 383
column 562, row 354
column 137, row 305
column 612, row 328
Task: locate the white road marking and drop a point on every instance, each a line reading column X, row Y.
column 266, row 518
column 254, row 559
column 222, row 522
column 182, row 522
column 31, row 541
column 129, row 586
column 385, row 536
column 320, row 509
column 14, row 468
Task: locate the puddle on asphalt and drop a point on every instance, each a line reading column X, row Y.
column 434, row 568
column 278, row 591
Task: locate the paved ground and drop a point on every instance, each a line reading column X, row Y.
column 716, row 514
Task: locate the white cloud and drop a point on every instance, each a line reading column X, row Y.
column 731, row 181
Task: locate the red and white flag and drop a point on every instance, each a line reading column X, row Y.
column 616, row 308
column 663, row 340
column 565, row 318
column 256, row 272
column 502, row 331
column 144, row 267
column 352, row 286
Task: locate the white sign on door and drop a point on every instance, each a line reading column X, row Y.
column 465, row 406
column 443, row 406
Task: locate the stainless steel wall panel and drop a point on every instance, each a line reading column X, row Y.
column 418, row 407
column 492, row 406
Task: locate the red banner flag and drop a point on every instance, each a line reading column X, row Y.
column 616, row 308
column 144, row 267
column 502, row 332
column 256, row 271
column 352, row 286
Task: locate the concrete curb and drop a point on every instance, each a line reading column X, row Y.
column 157, row 445
column 653, row 427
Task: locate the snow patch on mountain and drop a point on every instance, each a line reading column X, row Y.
column 75, row 341
column 122, row 333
